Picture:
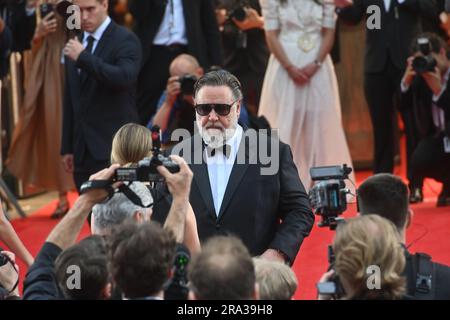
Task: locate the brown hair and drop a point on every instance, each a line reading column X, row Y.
column 131, row 143
column 367, row 241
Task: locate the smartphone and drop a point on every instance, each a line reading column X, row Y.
column 46, row 9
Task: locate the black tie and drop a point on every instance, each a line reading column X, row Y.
column 90, row 44
column 225, row 149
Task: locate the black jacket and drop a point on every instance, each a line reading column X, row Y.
column 21, row 25
column 264, row 211
column 399, row 26
column 5, row 48
column 202, row 31
column 103, row 98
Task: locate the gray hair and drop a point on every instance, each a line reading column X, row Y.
column 219, row 78
column 119, row 208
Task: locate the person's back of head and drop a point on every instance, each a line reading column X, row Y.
column 368, row 250
column 131, row 143
column 82, row 270
column 119, row 208
column 223, row 270
column 141, row 257
column 385, row 195
column 276, row 280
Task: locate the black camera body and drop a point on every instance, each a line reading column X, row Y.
column 333, row 286
column 238, row 11
column 146, row 170
column 178, row 286
column 426, row 62
column 46, row 9
column 187, row 83
column 328, row 197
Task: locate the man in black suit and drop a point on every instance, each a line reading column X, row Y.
column 101, row 74
column 166, row 29
column 237, row 190
column 386, row 195
column 385, row 61
column 244, row 43
column 426, row 91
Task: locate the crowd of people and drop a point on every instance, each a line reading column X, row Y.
column 235, row 209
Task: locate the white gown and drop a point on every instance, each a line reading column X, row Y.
column 308, row 117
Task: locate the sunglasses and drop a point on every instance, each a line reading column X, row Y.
column 222, row 109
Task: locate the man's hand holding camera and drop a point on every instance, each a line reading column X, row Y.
column 252, row 20
column 434, row 81
column 73, row 49
column 173, row 90
column 9, row 274
column 179, row 184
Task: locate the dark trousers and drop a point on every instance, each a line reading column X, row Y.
column 382, row 91
column 153, row 79
column 85, row 167
column 429, row 160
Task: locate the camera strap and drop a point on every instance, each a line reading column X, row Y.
column 97, row 184
column 133, row 197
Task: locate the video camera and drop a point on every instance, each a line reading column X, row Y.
column 425, row 62
column 146, row 170
column 177, row 288
column 328, row 197
column 333, row 286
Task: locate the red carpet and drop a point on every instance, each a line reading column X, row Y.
column 430, row 232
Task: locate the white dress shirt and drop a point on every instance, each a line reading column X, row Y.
column 173, row 28
column 97, row 34
column 220, row 167
column 387, row 4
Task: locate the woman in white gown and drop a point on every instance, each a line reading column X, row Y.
column 300, row 95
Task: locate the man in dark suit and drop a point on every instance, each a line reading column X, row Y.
column 385, row 61
column 166, row 29
column 244, row 43
column 237, row 190
column 101, row 74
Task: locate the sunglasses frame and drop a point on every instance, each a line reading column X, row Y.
column 213, row 108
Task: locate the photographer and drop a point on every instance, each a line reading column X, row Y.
column 426, row 91
column 246, row 53
column 360, row 244
column 176, row 105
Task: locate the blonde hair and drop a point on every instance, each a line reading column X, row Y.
column 365, row 241
column 276, row 280
column 131, row 143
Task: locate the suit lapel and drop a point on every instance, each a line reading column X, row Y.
column 201, row 179
column 102, row 43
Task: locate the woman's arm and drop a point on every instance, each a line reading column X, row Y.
column 277, row 50
column 9, row 236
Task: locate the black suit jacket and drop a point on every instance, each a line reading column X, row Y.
column 21, row 25
column 202, row 31
column 399, row 26
column 102, row 98
column 265, row 211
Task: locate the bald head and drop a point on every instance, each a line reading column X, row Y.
column 185, row 64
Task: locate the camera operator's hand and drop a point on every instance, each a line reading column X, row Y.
column 67, row 161
column 173, row 90
column 221, row 16
column 95, row 196
column 73, row 49
column 47, row 25
column 434, row 81
column 9, row 275
column 179, row 183
column 409, row 75
column 252, row 20
column 325, row 278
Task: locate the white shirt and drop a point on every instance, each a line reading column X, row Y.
column 97, row 34
column 220, row 167
column 173, row 28
column 387, row 4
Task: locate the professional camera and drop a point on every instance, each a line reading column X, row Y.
column 46, row 9
column 238, row 11
column 333, row 286
column 425, row 62
column 146, row 170
column 328, row 197
column 178, row 288
column 187, row 83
